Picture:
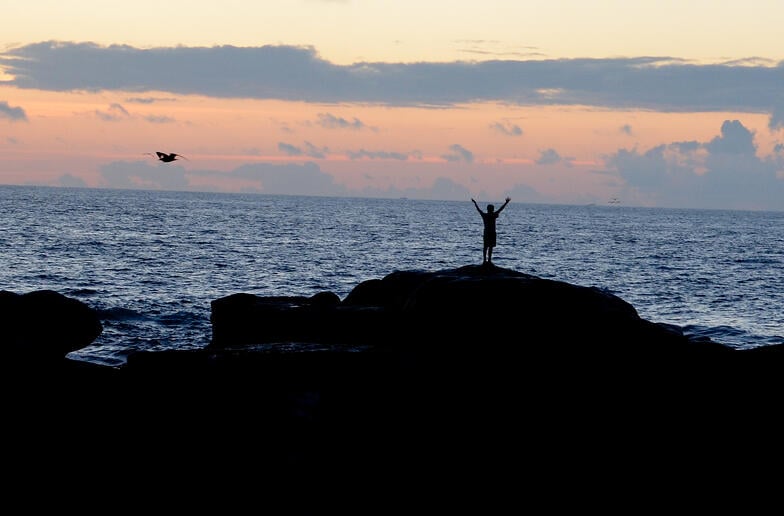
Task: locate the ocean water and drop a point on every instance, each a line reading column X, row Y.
column 151, row 262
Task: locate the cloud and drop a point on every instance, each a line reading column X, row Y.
column 686, row 147
column 506, row 129
column 115, row 112
column 776, row 121
column 140, row 175
column 289, row 179
column 524, row 193
column 646, row 171
column 12, row 113
column 71, row 181
column 268, row 178
column 551, row 157
column 148, row 100
column 309, row 150
column 734, row 139
column 118, row 112
column 548, row 157
column 289, row 149
column 315, row 152
column 155, row 119
column 495, row 48
column 330, row 121
column 252, row 151
column 362, row 153
column 445, row 188
column 626, row 129
column 459, row 153
column 723, row 173
column 442, row 188
column 299, row 73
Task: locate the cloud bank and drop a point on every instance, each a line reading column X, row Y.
column 300, row 74
column 722, row 173
column 12, row 112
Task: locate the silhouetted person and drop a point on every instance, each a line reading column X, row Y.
column 489, row 236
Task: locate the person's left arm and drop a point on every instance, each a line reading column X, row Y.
column 504, row 205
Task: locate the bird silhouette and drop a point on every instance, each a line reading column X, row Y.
column 167, row 158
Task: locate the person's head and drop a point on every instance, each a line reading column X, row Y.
column 490, row 208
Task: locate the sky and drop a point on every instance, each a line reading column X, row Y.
column 675, row 104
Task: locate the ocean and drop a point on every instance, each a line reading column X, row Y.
column 150, row 262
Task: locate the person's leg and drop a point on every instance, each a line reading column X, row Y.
column 484, row 254
column 489, row 254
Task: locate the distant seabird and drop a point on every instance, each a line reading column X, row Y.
column 166, row 158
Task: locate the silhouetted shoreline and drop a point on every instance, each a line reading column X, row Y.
column 406, row 349
column 416, row 311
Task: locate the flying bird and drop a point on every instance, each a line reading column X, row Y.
column 167, row 158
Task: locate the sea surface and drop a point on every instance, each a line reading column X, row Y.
column 150, row 262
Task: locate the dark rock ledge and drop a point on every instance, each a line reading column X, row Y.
column 435, row 349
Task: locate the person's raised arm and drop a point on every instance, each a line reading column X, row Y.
column 476, row 205
column 504, row 204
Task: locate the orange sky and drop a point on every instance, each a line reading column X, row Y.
column 86, row 90
column 78, row 133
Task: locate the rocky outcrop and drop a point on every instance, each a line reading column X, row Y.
column 476, row 309
column 452, row 364
column 44, row 325
column 476, row 342
column 425, row 322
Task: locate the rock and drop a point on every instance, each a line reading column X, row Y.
column 473, row 309
column 415, row 361
column 44, row 325
column 246, row 319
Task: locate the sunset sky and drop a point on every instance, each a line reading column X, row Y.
column 655, row 103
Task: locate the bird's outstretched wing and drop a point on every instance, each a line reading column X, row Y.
column 167, row 158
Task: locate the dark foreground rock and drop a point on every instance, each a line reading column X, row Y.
column 44, row 325
column 490, row 334
column 481, row 354
column 476, row 309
